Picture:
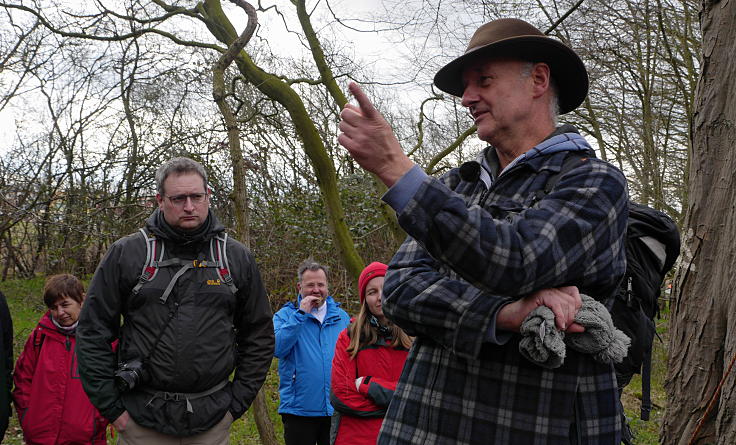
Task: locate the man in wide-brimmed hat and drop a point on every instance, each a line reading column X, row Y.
column 491, row 241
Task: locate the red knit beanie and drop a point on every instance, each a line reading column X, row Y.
column 373, row 270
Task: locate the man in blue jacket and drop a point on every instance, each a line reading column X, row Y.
column 306, row 334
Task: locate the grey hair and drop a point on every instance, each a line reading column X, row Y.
column 554, row 103
column 310, row 264
column 178, row 166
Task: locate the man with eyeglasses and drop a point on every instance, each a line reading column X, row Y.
column 193, row 309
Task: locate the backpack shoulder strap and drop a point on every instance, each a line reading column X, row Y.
column 38, row 339
column 218, row 252
column 572, row 160
column 646, row 384
column 154, row 250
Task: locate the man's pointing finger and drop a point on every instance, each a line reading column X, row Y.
column 366, row 106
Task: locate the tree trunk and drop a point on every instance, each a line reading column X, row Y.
column 263, row 420
column 702, row 340
column 240, row 196
column 279, row 91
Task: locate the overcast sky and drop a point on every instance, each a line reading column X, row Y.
column 383, row 52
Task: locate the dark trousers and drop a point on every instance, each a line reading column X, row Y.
column 300, row 430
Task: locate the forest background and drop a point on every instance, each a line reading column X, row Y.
column 95, row 95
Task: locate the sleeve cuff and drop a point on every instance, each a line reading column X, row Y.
column 495, row 336
column 365, row 385
column 114, row 411
column 399, row 195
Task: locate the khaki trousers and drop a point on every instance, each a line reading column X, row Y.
column 135, row 434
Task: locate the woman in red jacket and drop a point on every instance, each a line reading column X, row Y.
column 52, row 407
column 369, row 357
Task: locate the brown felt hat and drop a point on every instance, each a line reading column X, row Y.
column 518, row 39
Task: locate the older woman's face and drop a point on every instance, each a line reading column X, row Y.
column 66, row 311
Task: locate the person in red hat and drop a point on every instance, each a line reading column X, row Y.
column 369, row 357
column 534, row 221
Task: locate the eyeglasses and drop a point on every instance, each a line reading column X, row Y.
column 180, row 200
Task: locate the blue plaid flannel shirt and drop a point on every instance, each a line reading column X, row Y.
column 471, row 249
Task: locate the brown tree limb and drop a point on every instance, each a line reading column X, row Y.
column 563, row 17
column 420, row 123
column 240, row 194
column 114, row 38
column 450, row 148
column 314, row 147
column 240, row 197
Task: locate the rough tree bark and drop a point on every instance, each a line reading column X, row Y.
column 702, row 340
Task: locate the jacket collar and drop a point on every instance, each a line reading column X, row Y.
column 564, row 138
column 50, row 328
column 157, row 225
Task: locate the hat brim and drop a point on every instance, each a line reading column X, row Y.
column 567, row 69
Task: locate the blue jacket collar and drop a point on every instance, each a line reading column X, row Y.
column 564, row 138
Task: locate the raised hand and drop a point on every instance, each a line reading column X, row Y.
column 370, row 140
column 310, row 302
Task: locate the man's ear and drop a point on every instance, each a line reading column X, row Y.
column 298, row 288
column 159, row 199
column 541, row 76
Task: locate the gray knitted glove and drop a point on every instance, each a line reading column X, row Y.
column 601, row 338
column 541, row 342
column 544, row 345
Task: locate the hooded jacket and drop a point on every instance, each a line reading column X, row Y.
column 51, row 404
column 481, row 238
column 361, row 410
column 205, row 331
column 305, row 348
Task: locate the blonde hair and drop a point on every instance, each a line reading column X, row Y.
column 362, row 334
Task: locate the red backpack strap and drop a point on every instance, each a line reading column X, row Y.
column 154, row 250
column 218, row 248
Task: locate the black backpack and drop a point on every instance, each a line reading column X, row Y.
column 652, row 246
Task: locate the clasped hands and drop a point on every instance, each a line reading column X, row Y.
column 565, row 302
